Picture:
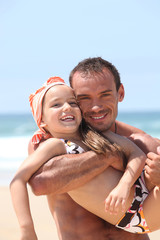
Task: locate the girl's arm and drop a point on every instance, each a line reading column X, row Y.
column 18, row 186
column 136, row 162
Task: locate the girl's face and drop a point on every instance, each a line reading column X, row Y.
column 61, row 115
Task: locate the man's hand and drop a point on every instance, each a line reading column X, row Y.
column 152, row 167
column 39, row 181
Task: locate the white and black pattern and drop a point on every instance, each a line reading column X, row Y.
column 133, row 220
column 72, row 148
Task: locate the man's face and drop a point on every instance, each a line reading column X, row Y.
column 98, row 98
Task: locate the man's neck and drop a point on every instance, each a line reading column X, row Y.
column 113, row 128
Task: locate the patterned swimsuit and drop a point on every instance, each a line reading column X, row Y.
column 72, row 148
column 133, row 220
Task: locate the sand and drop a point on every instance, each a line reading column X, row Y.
column 44, row 223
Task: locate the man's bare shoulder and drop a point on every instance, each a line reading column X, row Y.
column 125, row 129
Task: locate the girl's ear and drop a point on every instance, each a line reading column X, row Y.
column 121, row 93
column 42, row 124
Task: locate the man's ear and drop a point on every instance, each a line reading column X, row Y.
column 121, row 93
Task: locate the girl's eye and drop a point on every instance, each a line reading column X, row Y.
column 83, row 98
column 56, row 105
column 73, row 103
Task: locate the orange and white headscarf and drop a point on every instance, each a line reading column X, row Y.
column 36, row 100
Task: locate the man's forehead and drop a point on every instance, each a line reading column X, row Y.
column 102, row 81
column 92, row 75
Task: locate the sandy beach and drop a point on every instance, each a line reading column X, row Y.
column 44, row 224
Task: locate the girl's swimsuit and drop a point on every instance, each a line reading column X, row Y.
column 133, row 220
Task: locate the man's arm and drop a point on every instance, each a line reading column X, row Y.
column 67, row 172
column 64, row 173
column 146, row 142
column 75, row 169
column 149, row 145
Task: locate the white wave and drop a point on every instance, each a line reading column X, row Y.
column 13, row 147
column 10, row 164
column 13, row 150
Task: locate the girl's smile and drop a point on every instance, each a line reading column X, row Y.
column 61, row 114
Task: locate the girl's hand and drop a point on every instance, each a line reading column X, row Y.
column 117, row 198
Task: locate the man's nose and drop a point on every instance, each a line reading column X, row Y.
column 96, row 106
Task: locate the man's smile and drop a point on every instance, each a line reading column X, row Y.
column 98, row 117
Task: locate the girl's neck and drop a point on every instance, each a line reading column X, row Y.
column 74, row 137
column 68, row 136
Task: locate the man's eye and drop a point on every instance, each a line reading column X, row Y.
column 106, row 95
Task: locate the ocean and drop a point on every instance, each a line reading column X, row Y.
column 16, row 131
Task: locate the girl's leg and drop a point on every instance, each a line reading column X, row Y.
column 151, row 209
column 92, row 195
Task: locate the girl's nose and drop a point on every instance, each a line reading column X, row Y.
column 66, row 106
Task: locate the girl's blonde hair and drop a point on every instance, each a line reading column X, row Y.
column 99, row 143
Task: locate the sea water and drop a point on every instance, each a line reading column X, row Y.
column 16, row 131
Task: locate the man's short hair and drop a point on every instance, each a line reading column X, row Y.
column 95, row 65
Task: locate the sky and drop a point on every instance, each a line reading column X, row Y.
column 40, row 39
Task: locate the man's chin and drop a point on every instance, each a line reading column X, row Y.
column 100, row 128
column 100, row 125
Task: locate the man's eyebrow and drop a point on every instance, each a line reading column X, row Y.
column 82, row 95
column 107, row 91
column 85, row 95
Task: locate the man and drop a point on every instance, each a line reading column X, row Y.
column 98, row 89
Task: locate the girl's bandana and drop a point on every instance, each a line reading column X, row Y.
column 36, row 100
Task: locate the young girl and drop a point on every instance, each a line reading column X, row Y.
column 58, row 117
